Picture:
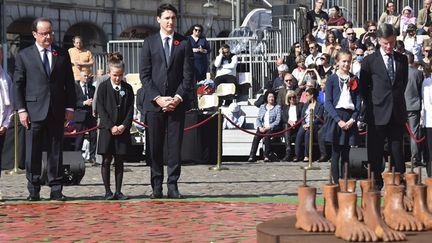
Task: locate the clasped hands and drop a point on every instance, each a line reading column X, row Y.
column 117, row 130
column 168, row 103
column 346, row 125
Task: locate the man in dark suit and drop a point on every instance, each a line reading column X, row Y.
column 84, row 118
column 167, row 77
column 413, row 99
column 384, row 76
column 45, row 98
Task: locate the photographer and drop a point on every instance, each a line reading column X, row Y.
column 369, row 37
column 320, row 33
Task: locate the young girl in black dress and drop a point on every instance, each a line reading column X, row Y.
column 342, row 103
column 114, row 105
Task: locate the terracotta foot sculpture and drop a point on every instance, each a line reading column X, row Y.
column 388, row 178
column 330, row 202
column 373, row 219
column 411, row 180
column 351, row 185
column 428, row 182
column 365, row 187
column 308, row 218
column 351, row 188
column 347, row 225
column 420, row 210
column 394, row 213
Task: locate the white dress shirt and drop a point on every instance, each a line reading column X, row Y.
column 41, row 53
column 427, row 103
column 163, row 36
column 6, row 107
column 386, row 57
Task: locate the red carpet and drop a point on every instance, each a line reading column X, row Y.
column 148, row 221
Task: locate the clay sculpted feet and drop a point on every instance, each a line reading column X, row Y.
column 347, row 225
column 330, row 202
column 420, row 210
column 308, row 218
column 373, row 219
column 411, row 181
column 388, row 180
column 365, row 187
column 394, row 213
column 428, row 182
column 351, row 188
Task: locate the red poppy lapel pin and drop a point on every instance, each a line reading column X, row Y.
column 55, row 53
column 176, row 42
column 353, row 84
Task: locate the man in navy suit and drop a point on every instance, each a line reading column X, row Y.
column 84, row 118
column 383, row 79
column 167, row 76
column 45, row 98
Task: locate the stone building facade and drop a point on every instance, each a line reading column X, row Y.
column 99, row 21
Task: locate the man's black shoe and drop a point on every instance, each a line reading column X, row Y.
column 419, row 163
column 175, row 194
column 57, row 196
column 34, row 197
column 156, row 195
column 251, row 159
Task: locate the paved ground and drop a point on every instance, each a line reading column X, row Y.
column 277, row 179
column 206, row 216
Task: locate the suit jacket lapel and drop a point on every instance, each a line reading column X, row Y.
column 53, row 57
column 38, row 57
column 174, row 48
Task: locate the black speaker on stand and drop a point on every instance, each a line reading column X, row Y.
column 73, row 168
column 358, row 163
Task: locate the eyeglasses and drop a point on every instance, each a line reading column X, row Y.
column 197, row 30
column 291, row 97
column 349, row 33
column 297, row 46
column 45, row 34
column 311, row 47
column 372, row 30
column 288, row 80
column 360, row 55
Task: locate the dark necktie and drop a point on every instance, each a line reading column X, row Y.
column 86, row 91
column 117, row 95
column 46, row 63
column 167, row 50
column 390, row 68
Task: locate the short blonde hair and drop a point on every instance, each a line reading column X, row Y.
column 289, row 94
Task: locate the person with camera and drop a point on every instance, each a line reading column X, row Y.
column 350, row 43
column 369, row 38
column 412, row 43
column 320, row 33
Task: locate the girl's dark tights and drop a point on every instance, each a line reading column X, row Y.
column 118, row 171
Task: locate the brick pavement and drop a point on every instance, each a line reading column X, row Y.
column 277, row 179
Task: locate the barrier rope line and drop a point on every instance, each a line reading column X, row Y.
column 263, row 134
column 413, row 136
column 187, row 128
column 70, row 134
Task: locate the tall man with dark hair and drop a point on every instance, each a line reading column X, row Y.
column 167, row 76
column 313, row 17
column 383, row 79
column 45, row 97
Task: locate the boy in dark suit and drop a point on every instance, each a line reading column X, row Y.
column 84, row 118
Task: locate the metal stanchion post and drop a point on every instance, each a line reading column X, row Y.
column 309, row 166
column 15, row 170
column 219, row 145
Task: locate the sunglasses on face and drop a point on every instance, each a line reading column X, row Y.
column 197, row 30
column 311, row 47
column 360, row 55
column 349, row 33
column 291, row 97
column 288, row 80
column 372, row 30
column 297, row 46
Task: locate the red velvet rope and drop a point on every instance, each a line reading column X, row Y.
column 264, row 134
column 187, row 128
column 412, row 134
column 70, row 134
